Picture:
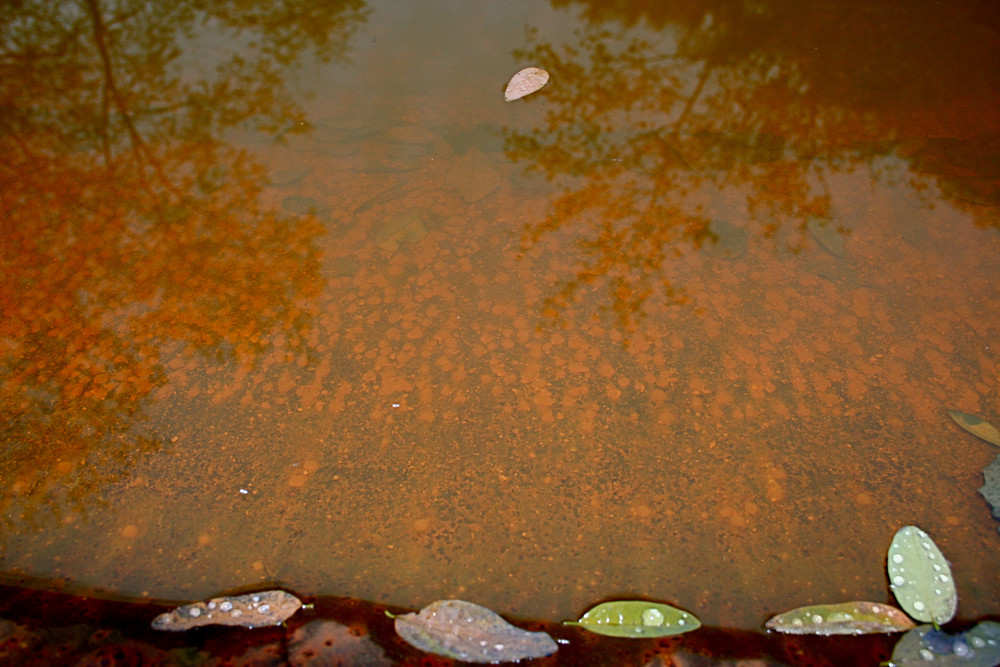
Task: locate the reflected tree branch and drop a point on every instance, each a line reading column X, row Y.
column 631, row 133
column 131, row 232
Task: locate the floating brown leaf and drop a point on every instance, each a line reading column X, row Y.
column 976, row 427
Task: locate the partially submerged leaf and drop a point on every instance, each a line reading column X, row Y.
column 920, row 577
column 637, row 619
column 525, row 82
column 466, row 631
column 845, row 618
column 925, row 645
column 976, row 426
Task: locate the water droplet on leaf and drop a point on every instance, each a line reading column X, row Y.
column 921, row 594
column 466, row 631
column 525, row 82
column 845, row 618
column 636, row 618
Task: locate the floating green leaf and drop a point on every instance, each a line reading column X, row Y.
column 977, row 427
column 466, row 631
column 845, row 618
column 920, row 577
column 636, row 618
column 925, row 645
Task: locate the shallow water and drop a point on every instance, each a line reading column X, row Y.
column 306, row 301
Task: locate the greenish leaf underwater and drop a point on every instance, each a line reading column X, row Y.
column 976, row 426
column 920, row 577
column 465, row 631
column 828, row 235
column 844, row 618
column 925, row 645
column 636, row 619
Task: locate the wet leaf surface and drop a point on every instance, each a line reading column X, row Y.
column 924, row 645
column 525, row 82
column 250, row 611
column 920, row 577
column 845, row 618
column 638, row 619
column 466, row 631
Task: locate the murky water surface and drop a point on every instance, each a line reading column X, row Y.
column 291, row 294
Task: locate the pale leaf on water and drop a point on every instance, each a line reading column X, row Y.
column 844, row 618
column 466, row 631
column 250, row 611
column 920, row 577
column 525, row 82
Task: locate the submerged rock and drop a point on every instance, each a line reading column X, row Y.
column 991, row 489
column 322, row 643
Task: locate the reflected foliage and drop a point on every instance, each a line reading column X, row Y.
column 733, row 95
column 130, row 231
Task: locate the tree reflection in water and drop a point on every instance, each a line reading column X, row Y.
column 734, row 98
column 130, row 230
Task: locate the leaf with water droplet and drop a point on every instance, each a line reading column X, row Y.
column 251, row 610
column 466, row 631
column 637, row 619
column 976, row 426
column 925, row 645
column 844, row 618
column 525, row 82
column 920, row 577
